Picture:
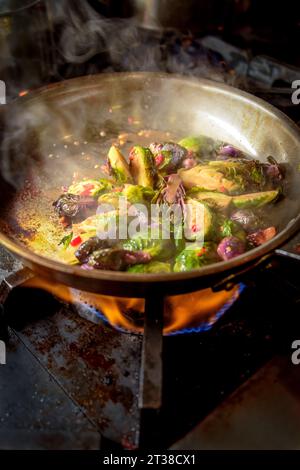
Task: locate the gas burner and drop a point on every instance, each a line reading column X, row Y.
column 126, row 315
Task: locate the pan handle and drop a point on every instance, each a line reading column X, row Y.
column 14, row 279
column 291, row 249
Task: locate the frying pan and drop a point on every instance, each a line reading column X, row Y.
column 66, row 127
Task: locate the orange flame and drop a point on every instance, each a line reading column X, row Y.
column 23, row 92
column 181, row 311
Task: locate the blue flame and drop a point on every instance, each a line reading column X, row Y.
column 184, row 331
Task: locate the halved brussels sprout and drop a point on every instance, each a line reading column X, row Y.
column 142, row 166
column 118, row 166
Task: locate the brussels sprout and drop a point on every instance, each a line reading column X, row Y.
column 246, row 218
column 261, row 236
column 111, row 199
column 142, row 166
column 214, row 199
column 72, row 205
column 230, row 151
column 90, row 187
column 118, row 166
column 228, row 228
column 158, row 249
column 152, row 267
column 137, row 194
column 168, row 157
column 195, row 256
column 201, row 145
column 248, row 173
column 88, row 247
column 230, row 247
column 198, row 220
column 208, row 179
column 116, row 259
column 245, row 201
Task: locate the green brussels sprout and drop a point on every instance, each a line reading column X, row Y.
column 142, row 166
column 152, row 267
column 195, row 225
column 159, row 249
column 118, row 166
column 195, row 256
column 90, row 187
column 201, row 145
column 208, row 178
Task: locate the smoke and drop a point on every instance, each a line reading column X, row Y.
column 62, row 39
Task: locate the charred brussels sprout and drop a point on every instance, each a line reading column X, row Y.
column 142, row 166
column 72, row 205
column 116, row 259
column 168, row 156
column 118, row 166
column 88, row 247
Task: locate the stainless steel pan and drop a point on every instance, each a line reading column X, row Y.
column 39, row 133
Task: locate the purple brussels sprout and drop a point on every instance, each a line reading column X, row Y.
column 189, row 162
column 230, row 151
column 246, row 218
column 230, row 247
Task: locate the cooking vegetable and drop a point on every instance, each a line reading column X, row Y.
column 158, row 249
column 118, row 166
column 230, row 247
column 246, row 218
column 116, row 259
column 261, row 236
column 195, row 256
column 142, row 166
column 208, row 210
column 229, row 150
column 66, row 240
column 201, row 145
column 90, row 187
column 245, row 201
column 172, row 190
column 198, row 220
column 72, row 205
column 168, row 157
column 209, row 179
column 214, row 199
column 88, row 247
column 152, row 267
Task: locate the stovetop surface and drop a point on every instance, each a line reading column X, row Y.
column 67, row 381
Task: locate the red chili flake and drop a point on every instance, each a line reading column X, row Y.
column 87, row 189
column 223, row 189
column 76, row 241
column 131, row 154
column 202, row 251
column 130, row 119
column 194, row 228
column 159, row 159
